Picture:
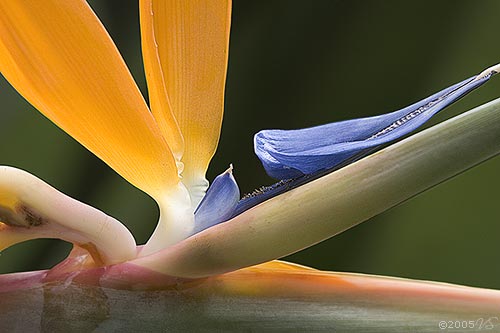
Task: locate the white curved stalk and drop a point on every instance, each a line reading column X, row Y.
column 331, row 204
column 30, row 208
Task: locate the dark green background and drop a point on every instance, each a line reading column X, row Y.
column 295, row 64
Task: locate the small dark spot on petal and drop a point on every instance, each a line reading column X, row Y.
column 22, row 216
column 31, row 218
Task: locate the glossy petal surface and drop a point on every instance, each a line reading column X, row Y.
column 60, row 58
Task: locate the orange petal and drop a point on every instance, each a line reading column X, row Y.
column 187, row 41
column 347, row 291
column 281, row 278
column 60, row 58
column 158, row 98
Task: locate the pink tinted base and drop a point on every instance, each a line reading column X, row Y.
column 79, row 268
column 270, row 280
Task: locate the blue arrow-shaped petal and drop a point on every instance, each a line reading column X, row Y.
column 292, row 153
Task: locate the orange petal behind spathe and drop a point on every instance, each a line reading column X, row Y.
column 347, row 291
column 188, row 40
column 60, row 58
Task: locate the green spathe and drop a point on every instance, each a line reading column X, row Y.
column 338, row 201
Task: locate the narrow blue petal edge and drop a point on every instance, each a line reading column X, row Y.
column 289, row 154
column 219, row 202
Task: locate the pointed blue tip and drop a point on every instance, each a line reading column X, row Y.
column 293, row 153
column 219, row 202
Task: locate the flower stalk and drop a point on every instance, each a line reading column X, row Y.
column 338, row 201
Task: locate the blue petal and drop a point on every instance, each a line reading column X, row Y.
column 289, row 154
column 219, row 203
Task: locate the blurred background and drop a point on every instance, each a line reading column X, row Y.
column 298, row 63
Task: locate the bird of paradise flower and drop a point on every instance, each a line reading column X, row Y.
column 71, row 71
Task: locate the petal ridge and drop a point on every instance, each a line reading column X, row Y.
column 191, row 48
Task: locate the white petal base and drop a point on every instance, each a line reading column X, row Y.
column 176, row 220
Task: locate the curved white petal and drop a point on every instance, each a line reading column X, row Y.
column 30, row 208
